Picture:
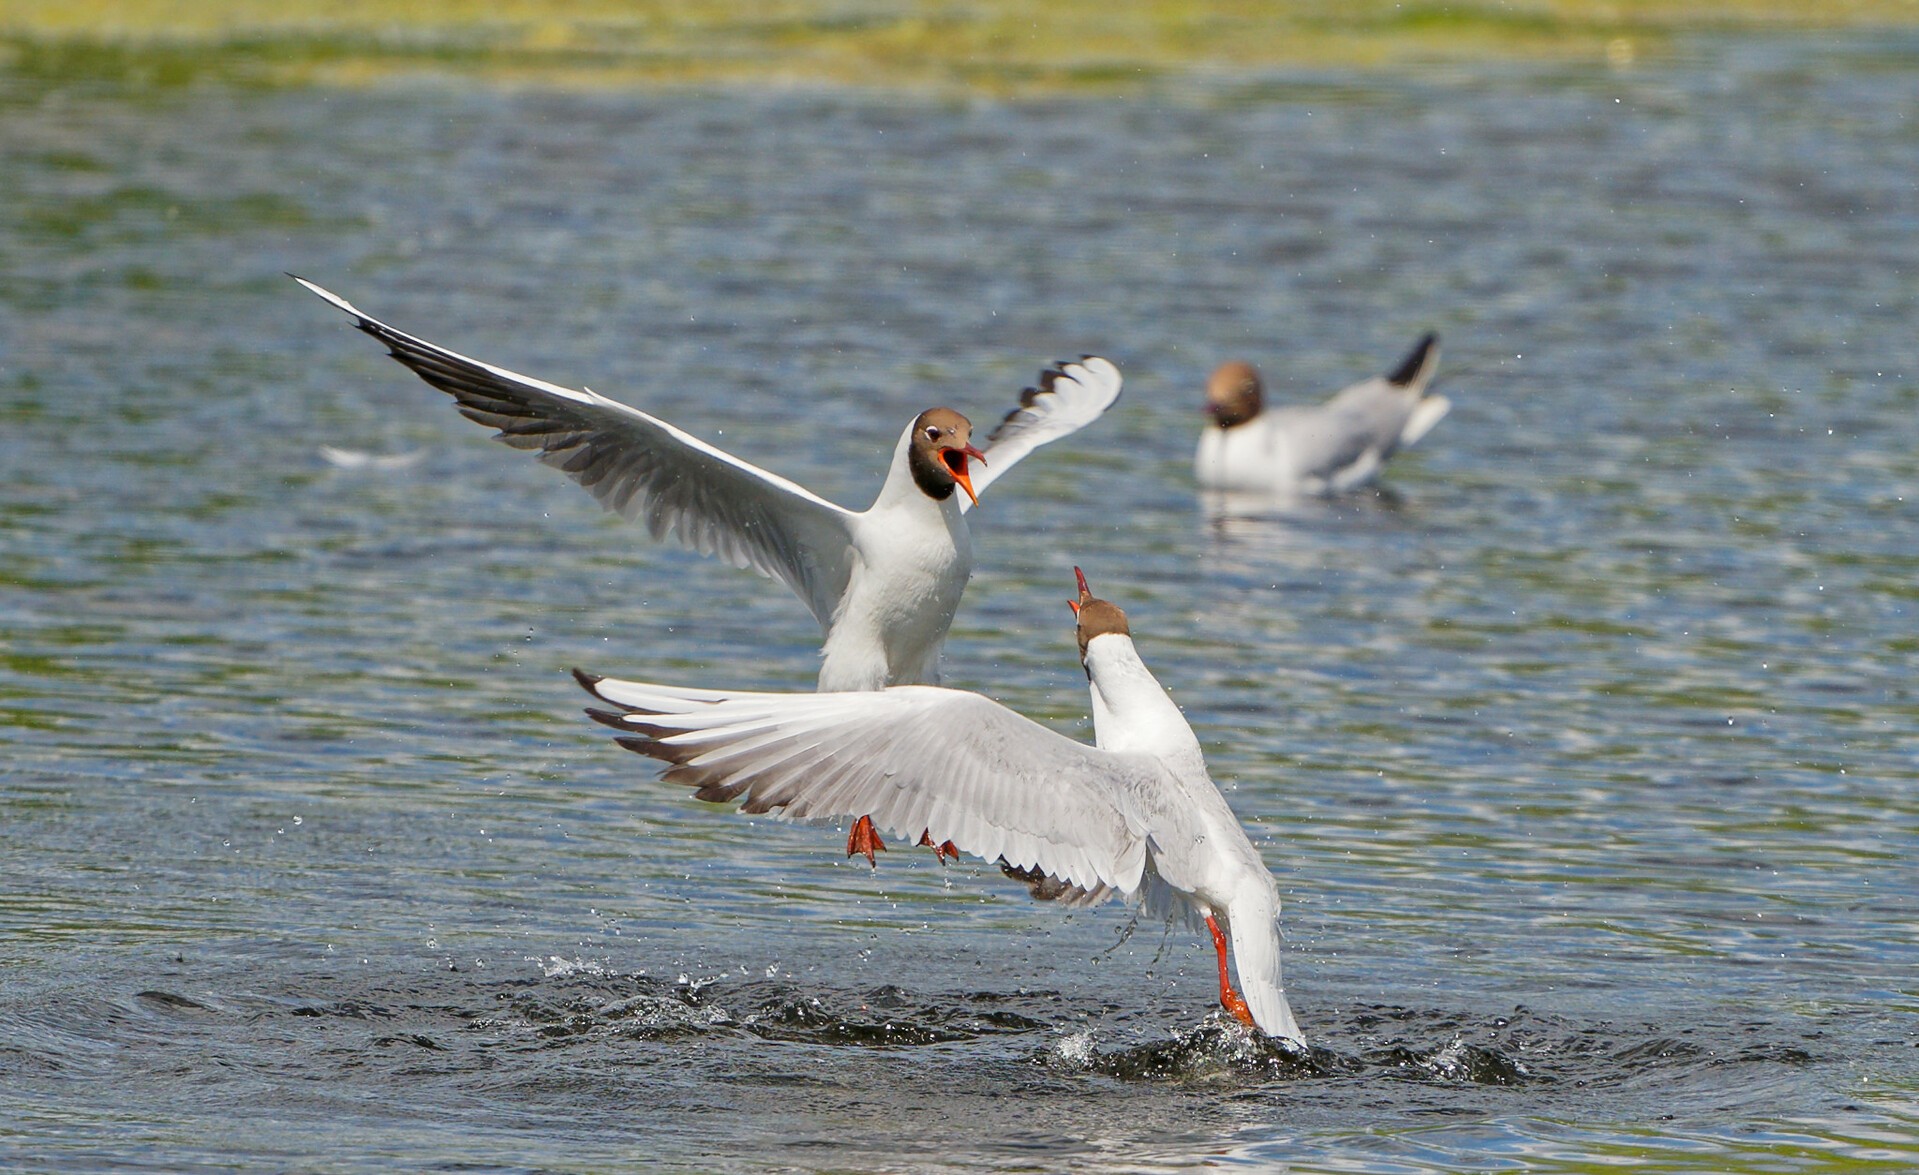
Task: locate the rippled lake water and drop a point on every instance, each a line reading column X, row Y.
column 1587, row 755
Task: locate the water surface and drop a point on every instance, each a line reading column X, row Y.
column 1584, row 755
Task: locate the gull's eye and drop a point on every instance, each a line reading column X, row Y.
column 932, row 433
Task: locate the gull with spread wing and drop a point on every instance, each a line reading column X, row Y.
column 883, row 583
column 1327, row 448
column 1134, row 814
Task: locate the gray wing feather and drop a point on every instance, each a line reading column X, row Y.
column 1067, row 398
column 644, row 468
column 918, row 759
column 1345, row 440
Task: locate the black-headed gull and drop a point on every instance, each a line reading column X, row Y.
column 1324, row 448
column 883, row 583
column 1135, row 814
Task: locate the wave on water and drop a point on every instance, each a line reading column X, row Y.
column 1372, row 1042
column 643, row 1008
column 575, row 1042
column 581, row 1006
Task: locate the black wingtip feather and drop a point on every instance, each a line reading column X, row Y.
column 650, row 740
column 1408, row 369
column 718, row 793
column 588, row 681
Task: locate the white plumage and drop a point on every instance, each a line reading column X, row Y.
column 1135, row 814
column 882, row 583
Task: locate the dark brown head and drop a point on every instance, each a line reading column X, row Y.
column 938, row 454
column 1097, row 617
column 1233, row 394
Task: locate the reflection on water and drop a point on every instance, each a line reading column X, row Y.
column 1582, row 749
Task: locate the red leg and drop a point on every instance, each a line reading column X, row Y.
column 1229, row 998
column 942, row 850
column 863, row 839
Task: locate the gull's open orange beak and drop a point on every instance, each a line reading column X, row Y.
column 1085, row 592
column 956, row 465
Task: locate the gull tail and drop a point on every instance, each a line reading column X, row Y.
column 1428, row 412
column 1254, row 923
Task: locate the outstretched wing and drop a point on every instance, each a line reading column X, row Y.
column 948, row 764
column 1069, row 397
column 644, row 468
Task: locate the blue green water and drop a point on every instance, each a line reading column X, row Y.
column 1587, row 755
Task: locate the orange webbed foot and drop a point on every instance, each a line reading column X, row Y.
column 1232, row 1002
column 942, row 850
column 864, row 839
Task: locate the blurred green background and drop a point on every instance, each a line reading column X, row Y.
column 984, row 46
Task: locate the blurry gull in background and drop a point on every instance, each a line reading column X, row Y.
column 1327, row 448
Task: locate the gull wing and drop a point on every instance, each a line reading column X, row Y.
column 1069, row 397
column 1415, row 372
column 948, row 764
column 644, row 468
column 1345, row 440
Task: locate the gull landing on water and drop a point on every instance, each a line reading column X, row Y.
column 1135, row 814
column 883, row 583
column 1327, row 448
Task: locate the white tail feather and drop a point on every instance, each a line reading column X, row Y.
column 1254, row 922
column 1426, row 413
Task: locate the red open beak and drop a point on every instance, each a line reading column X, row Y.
column 1084, row 591
column 956, row 465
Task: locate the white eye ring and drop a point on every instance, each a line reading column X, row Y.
column 932, row 433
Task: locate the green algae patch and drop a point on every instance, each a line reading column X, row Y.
column 995, row 47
